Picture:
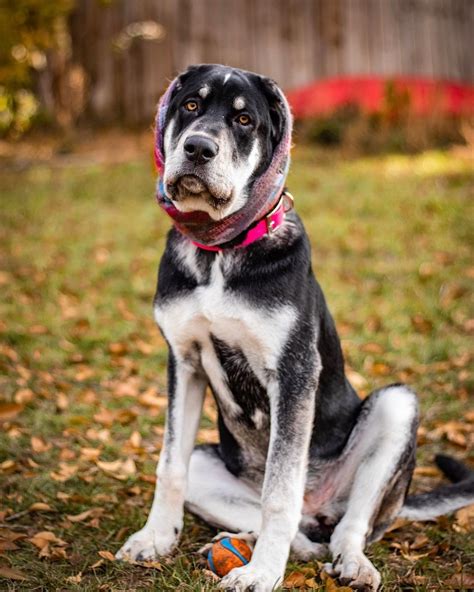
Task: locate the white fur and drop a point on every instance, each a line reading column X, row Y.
column 161, row 531
column 226, row 77
column 204, row 91
column 224, row 177
column 211, row 309
column 365, row 472
column 239, row 103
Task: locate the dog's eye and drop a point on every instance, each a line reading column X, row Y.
column 243, row 119
column 191, row 106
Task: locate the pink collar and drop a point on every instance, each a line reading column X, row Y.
column 266, row 226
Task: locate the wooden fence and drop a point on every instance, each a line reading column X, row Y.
column 128, row 49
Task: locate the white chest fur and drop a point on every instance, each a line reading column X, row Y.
column 212, row 309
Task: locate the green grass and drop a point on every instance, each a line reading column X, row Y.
column 80, row 247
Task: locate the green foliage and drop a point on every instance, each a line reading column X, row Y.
column 28, row 30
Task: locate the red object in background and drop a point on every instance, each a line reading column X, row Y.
column 370, row 94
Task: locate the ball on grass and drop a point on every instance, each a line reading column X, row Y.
column 226, row 554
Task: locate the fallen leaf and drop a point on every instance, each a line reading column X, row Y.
column 91, row 454
column 23, row 396
column 420, row 541
column 107, row 555
column 62, row 402
column 465, row 519
column 39, row 445
column 12, row 574
column 461, row 581
column 427, row 472
column 91, row 513
column 118, row 349
column 105, row 417
column 119, row 469
column 9, row 411
column 7, row 466
column 65, row 472
column 294, row 580
column 40, row 507
column 135, row 439
column 41, row 539
column 399, row 523
column 6, row 545
column 149, row 399
column 77, row 579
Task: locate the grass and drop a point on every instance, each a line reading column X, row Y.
column 82, row 364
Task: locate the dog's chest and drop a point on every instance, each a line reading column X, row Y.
column 234, row 341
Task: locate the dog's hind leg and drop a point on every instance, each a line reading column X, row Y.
column 375, row 472
column 227, row 502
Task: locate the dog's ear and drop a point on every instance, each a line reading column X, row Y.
column 278, row 108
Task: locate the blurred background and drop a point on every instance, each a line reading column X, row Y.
column 383, row 178
column 373, row 73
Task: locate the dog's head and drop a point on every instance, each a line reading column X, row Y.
column 220, row 131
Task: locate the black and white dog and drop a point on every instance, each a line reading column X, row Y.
column 301, row 460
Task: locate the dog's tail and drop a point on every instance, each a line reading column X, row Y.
column 446, row 498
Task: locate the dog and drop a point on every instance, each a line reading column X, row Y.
column 302, row 463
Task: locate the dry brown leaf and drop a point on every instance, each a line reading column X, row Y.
column 135, row 439
column 64, row 473
column 149, row 399
column 151, row 564
column 91, row 454
column 461, row 581
column 128, row 388
column 77, row 579
column 97, row 564
column 118, row 349
column 399, row 523
column 420, row 541
column 39, row 445
column 9, row 411
column 6, row 545
column 107, row 555
column 105, row 417
column 8, row 466
column 125, row 416
column 91, row 513
column 12, row 574
column 11, row 535
column 379, row 369
column 427, row 472
column 119, row 469
column 24, row 395
column 62, row 402
column 40, row 507
column 465, row 519
column 356, row 379
column 295, row 579
column 44, row 538
column 102, row 435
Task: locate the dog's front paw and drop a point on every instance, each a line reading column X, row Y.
column 356, row 571
column 147, row 545
column 249, row 579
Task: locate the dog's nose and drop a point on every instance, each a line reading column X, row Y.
column 200, row 149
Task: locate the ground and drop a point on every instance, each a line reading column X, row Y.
column 82, row 363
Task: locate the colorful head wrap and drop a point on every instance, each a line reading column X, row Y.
column 264, row 193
